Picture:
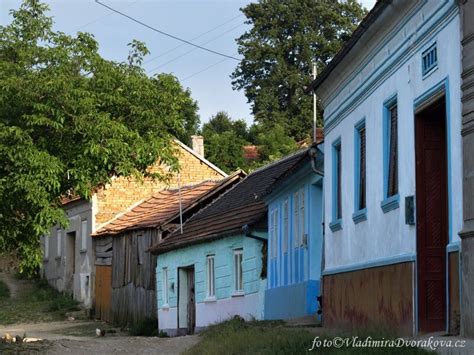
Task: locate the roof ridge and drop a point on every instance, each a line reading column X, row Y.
column 279, row 161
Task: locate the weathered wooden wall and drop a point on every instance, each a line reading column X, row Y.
column 133, row 276
column 379, row 298
column 103, row 250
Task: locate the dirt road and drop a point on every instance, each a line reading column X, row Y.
column 78, row 337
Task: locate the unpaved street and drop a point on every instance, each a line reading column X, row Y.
column 59, row 340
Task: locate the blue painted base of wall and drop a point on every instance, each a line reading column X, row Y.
column 293, row 301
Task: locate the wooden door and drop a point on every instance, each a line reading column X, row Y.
column 191, row 301
column 103, row 291
column 432, row 216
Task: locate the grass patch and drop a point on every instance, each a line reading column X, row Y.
column 146, row 328
column 239, row 337
column 4, row 291
column 37, row 302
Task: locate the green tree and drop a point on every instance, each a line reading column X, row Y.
column 71, row 120
column 274, row 144
column 223, row 141
column 285, row 38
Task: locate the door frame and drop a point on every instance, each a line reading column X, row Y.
column 186, row 270
column 421, row 102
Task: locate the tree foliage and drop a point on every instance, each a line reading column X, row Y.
column 223, row 141
column 70, row 120
column 285, row 38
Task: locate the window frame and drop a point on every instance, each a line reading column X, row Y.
column 390, row 202
column 360, row 212
column 59, row 233
column 164, row 284
column 427, row 55
column 286, row 225
column 336, row 197
column 302, row 219
column 296, row 219
column 84, row 235
column 238, row 272
column 210, row 277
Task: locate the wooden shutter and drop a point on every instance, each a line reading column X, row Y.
column 362, row 172
column 339, row 192
column 393, row 156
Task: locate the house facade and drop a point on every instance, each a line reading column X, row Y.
column 125, row 269
column 216, row 268
column 295, row 230
column 393, row 189
column 69, row 254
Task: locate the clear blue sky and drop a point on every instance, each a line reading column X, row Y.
column 206, row 74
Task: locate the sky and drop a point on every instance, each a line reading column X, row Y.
column 214, row 24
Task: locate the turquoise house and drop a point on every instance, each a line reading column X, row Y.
column 215, row 268
column 295, row 243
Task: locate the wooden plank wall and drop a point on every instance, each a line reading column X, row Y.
column 133, row 276
column 103, row 250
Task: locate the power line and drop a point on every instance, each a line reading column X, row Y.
column 192, row 50
column 165, row 33
column 205, row 69
column 102, row 17
column 192, row 39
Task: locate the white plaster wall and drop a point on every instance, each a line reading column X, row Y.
column 54, row 265
column 168, row 318
column 247, row 307
column 386, row 235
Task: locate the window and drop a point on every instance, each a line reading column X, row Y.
column 46, row 246
column 238, row 282
column 275, row 233
column 285, row 226
column 84, row 234
column 390, row 151
column 336, row 225
column 211, row 291
column 58, row 244
column 302, row 219
column 165, row 287
column 360, row 172
column 429, row 60
column 296, row 225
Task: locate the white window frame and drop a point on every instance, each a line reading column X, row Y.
column 59, row 235
column 285, row 231
column 165, row 292
column 238, row 271
column 46, row 246
column 275, row 233
column 84, row 234
column 296, row 219
column 210, row 274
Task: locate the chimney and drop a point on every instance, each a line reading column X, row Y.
column 198, row 145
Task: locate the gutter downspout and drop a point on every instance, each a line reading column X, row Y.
column 247, row 233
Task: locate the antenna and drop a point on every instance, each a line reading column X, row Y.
column 180, row 204
column 315, row 73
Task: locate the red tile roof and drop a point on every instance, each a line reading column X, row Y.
column 251, row 152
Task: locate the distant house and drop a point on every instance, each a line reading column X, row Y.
column 125, row 270
column 69, row 255
column 393, row 176
column 295, row 239
column 216, row 268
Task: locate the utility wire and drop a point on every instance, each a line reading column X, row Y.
column 192, row 50
column 102, row 17
column 205, row 69
column 192, row 39
column 165, row 33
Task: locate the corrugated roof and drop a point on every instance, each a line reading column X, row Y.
column 241, row 205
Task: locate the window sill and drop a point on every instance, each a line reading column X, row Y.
column 210, row 299
column 238, row 294
column 82, row 251
column 390, row 203
column 360, row 216
column 58, row 257
column 336, row 225
column 429, row 72
column 165, row 307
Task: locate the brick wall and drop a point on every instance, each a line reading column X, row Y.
column 124, row 192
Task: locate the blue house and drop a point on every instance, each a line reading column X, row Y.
column 295, row 243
